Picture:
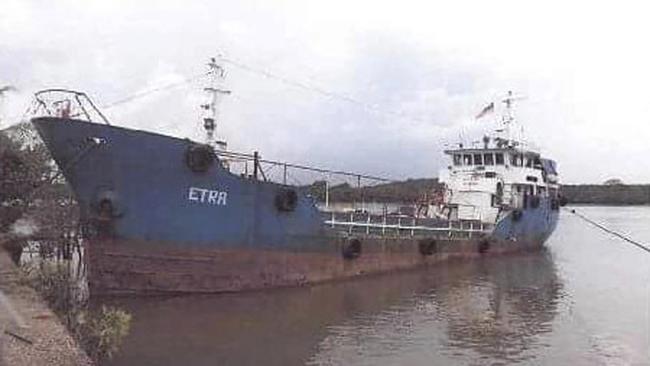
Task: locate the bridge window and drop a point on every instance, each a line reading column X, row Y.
column 499, row 158
column 478, row 159
column 457, row 159
column 488, row 159
column 467, row 159
column 529, row 162
column 516, row 160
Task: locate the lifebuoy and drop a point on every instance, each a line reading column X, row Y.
column 352, row 249
column 199, row 157
column 286, row 200
column 428, row 247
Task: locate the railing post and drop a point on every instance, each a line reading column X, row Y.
column 413, row 227
column 361, row 192
column 327, row 193
column 284, row 176
column 399, row 225
column 256, row 164
column 368, row 225
column 351, row 221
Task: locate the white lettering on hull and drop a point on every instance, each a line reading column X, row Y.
column 207, row 196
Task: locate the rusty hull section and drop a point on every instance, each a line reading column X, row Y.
column 130, row 267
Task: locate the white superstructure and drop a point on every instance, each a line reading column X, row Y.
column 504, row 174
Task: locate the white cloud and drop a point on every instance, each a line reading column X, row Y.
column 582, row 66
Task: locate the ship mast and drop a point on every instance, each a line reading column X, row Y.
column 214, row 91
column 508, row 119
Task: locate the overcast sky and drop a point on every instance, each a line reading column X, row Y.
column 421, row 71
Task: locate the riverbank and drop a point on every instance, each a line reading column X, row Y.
column 37, row 337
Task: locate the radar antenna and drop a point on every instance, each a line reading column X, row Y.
column 211, row 112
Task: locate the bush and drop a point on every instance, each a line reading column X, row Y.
column 99, row 332
column 103, row 332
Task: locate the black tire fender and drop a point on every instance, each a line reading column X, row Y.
column 428, row 247
column 351, row 249
column 286, row 200
column 483, row 246
column 109, row 205
column 534, row 201
column 199, row 157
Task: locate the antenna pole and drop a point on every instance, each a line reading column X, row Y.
column 508, row 118
column 211, row 112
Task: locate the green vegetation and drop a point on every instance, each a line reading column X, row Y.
column 31, row 190
column 407, row 191
column 613, row 192
column 100, row 332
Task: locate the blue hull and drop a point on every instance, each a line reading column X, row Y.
column 167, row 221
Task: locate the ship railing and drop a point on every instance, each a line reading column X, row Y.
column 401, row 225
column 284, row 172
column 65, row 104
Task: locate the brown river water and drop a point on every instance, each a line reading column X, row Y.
column 584, row 300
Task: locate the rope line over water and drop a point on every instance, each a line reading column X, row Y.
column 610, row 231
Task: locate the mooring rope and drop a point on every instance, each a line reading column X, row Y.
column 610, row 231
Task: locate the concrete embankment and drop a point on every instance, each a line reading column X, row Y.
column 30, row 333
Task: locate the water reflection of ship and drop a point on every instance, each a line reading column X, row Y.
column 498, row 308
column 503, row 313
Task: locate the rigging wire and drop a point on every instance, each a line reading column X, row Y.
column 321, row 91
column 610, row 231
column 144, row 93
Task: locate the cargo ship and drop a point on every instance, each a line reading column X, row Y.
column 168, row 215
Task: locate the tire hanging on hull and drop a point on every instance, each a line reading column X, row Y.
column 286, row 200
column 351, row 249
column 428, row 247
column 199, row 158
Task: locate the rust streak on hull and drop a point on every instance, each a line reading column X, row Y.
column 123, row 267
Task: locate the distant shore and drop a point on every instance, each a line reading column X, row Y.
column 601, row 194
column 411, row 190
